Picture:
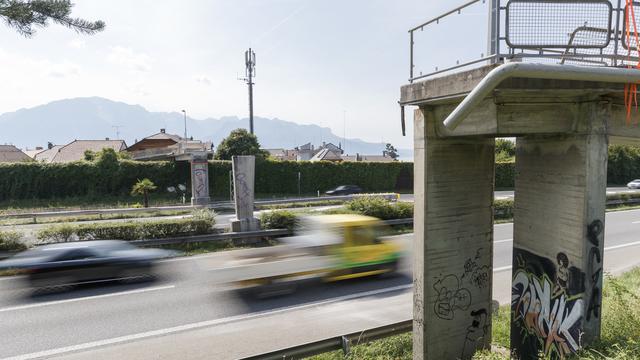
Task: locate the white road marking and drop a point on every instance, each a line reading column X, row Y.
column 623, row 246
column 636, row 222
column 637, row 243
column 198, row 325
column 30, row 306
column 503, row 241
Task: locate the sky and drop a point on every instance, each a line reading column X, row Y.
column 334, row 63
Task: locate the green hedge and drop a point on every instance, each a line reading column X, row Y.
column 131, row 230
column 95, row 179
column 381, row 208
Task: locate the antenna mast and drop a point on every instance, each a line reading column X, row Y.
column 117, row 127
column 250, row 64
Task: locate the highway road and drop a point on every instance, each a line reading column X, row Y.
column 186, row 315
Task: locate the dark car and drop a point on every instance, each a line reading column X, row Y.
column 68, row 264
column 345, row 190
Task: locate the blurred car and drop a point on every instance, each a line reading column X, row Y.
column 635, row 184
column 329, row 247
column 345, row 190
column 74, row 263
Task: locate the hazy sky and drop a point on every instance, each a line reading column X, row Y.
column 316, row 59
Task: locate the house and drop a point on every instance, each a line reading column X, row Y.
column 305, row 152
column 367, row 158
column 283, row 154
column 11, row 154
column 75, row 150
column 327, row 155
column 165, row 146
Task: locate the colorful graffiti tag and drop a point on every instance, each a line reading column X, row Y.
column 547, row 306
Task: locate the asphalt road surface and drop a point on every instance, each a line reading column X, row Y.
column 185, row 315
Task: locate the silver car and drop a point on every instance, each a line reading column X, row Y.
column 635, row 184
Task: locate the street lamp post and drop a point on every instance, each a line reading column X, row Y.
column 185, row 124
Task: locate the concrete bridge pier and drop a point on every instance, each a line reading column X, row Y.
column 560, row 200
column 453, row 269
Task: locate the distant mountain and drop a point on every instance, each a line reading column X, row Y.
column 63, row 121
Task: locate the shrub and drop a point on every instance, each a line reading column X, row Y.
column 381, row 208
column 279, row 219
column 56, row 233
column 11, row 241
column 131, row 230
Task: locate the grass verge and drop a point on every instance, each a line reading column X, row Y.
column 620, row 330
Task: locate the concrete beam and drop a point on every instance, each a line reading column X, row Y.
column 454, row 181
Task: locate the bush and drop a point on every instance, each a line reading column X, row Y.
column 131, row 230
column 11, row 241
column 56, row 233
column 381, row 208
column 279, row 219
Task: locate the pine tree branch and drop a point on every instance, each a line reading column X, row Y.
column 24, row 15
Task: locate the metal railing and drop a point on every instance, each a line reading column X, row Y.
column 579, row 32
column 343, row 342
column 215, row 206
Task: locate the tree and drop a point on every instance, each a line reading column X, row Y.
column 391, row 152
column 24, row 15
column 239, row 142
column 505, row 150
column 143, row 187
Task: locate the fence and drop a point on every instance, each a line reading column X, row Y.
column 580, row 32
column 343, row 342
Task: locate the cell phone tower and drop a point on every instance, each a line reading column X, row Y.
column 250, row 63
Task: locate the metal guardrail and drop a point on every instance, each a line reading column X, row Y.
column 343, row 342
column 580, row 32
column 212, row 237
column 215, row 206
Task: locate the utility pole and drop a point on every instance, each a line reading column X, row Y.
column 250, row 73
column 185, row 124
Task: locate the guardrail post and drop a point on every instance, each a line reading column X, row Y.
column 346, row 346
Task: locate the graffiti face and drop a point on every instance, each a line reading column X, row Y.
column 450, row 297
column 476, row 333
column 475, row 273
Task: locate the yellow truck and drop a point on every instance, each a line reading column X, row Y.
column 332, row 247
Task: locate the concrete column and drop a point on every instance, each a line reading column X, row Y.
column 199, row 179
column 560, row 203
column 243, row 181
column 453, row 247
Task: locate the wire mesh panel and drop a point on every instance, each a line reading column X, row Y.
column 576, row 24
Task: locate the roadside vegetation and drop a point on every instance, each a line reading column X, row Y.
column 11, row 241
column 620, row 330
column 200, row 223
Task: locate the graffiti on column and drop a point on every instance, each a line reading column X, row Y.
column 548, row 304
column 450, row 297
column 476, row 333
column 200, row 179
column 476, row 274
column 243, row 192
column 594, row 230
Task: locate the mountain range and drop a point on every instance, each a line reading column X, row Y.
column 93, row 118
